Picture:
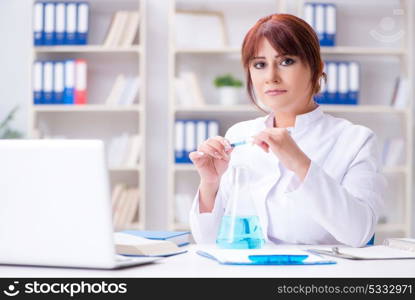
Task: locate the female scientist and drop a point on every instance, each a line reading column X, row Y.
column 315, row 178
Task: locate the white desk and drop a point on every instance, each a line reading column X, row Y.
column 191, row 264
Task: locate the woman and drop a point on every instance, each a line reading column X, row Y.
column 316, row 178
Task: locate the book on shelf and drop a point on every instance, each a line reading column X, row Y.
column 124, row 150
column 132, row 245
column 130, row 91
column 123, row 29
column 124, row 205
column 124, row 90
column 117, row 149
column 188, row 90
column 180, row 238
column 134, row 148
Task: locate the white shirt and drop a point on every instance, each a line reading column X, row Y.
column 339, row 200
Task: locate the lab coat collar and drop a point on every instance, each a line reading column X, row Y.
column 301, row 121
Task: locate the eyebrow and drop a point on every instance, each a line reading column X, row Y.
column 263, row 57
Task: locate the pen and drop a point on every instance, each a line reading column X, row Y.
column 240, row 143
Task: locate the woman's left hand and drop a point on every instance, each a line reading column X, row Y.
column 280, row 142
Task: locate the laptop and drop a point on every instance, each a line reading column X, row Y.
column 55, row 205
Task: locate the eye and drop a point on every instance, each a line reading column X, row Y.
column 287, row 61
column 258, row 65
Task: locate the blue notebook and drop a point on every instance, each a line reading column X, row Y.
column 180, row 238
column 264, row 257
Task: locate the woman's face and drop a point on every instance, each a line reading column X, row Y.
column 282, row 83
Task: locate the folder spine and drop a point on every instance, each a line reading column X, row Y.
column 82, row 23
column 38, row 23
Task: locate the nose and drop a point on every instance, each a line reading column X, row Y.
column 273, row 75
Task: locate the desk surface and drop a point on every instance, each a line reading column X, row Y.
column 191, row 264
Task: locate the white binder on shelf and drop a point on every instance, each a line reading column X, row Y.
column 58, row 82
column 309, row 14
column 213, row 129
column 201, row 132
column 343, row 83
column 38, row 28
column 82, row 23
column 332, row 86
column 189, row 138
column 354, row 83
column 48, row 82
column 69, row 89
column 60, row 23
column 330, row 28
column 37, row 82
column 179, row 141
column 71, row 15
column 319, row 21
column 49, row 23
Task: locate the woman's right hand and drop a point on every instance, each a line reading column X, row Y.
column 212, row 159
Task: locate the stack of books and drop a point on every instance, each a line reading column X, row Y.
column 60, row 23
column 60, row 82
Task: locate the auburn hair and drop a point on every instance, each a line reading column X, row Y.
column 288, row 35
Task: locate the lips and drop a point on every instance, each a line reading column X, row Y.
column 275, row 92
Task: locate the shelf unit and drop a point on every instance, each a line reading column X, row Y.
column 102, row 62
column 371, row 107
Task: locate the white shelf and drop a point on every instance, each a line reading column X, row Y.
column 86, row 108
column 87, row 49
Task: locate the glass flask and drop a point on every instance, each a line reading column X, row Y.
column 240, row 227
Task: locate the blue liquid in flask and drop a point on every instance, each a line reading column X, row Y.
column 247, row 233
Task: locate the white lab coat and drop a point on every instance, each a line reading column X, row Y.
column 339, row 200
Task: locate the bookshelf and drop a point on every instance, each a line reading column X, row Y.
column 374, row 109
column 96, row 119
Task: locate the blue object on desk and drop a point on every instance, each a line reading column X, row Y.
column 277, row 259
